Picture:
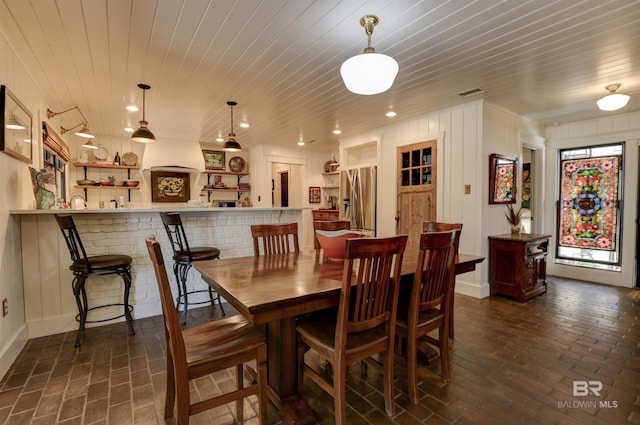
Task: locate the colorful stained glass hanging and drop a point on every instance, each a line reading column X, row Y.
column 589, row 203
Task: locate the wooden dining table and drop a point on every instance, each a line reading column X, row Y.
column 274, row 290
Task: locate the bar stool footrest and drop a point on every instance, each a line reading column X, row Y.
column 129, row 307
column 179, row 299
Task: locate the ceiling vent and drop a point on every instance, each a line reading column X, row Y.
column 471, row 92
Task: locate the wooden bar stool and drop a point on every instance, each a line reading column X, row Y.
column 183, row 257
column 84, row 266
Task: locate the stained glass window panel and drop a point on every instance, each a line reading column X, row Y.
column 589, row 203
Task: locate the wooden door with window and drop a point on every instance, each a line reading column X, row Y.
column 416, row 189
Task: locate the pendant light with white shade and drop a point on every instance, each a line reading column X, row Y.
column 231, row 145
column 613, row 101
column 143, row 134
column 369, row 72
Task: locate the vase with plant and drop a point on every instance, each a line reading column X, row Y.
column 514, row 218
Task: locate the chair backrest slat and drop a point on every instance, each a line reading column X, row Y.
column 275, row 238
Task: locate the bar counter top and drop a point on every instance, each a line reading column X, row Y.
column 153, row 210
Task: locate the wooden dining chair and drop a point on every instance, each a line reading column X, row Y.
column 437, row 226
column 205, row 349
column 328, row 225
column 364, row 324
column 275, row 238
column 427, row 307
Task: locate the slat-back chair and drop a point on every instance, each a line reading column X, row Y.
column 365, row 321
column 275, row 238
column 428, row 308
column 436, row 226
column 205, row 349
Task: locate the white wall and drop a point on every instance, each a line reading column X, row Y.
column 466, row 135
column 16, row 193
column 458, row 132
column 609, row 129
column 307, row 167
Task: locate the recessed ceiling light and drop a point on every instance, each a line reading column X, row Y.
column 129, row 129
column 133, row 108
column 219, row 139
column 337, row 131
column 391, row 114
column 300, row 143
column 244, row 124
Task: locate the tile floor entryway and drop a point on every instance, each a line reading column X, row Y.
column 512, row 363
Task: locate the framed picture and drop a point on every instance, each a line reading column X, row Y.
column 314, row 195
column 167, row 186
column 16, row 122
column 214, row 160
column 503, row 172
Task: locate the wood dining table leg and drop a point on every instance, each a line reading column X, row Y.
column 282, row 372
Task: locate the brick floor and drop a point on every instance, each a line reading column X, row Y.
column 512, row 363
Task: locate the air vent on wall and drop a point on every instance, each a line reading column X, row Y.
column 471, row 92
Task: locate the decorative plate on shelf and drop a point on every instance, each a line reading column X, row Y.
column 101, row 152
column 130, row 159
column 236, row 164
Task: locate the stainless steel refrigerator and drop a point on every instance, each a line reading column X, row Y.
column 358, row 188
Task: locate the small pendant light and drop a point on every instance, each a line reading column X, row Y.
column 143, row 134
column 231, row 145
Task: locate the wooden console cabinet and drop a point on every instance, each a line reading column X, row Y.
column 517, row 265
column 325, row 215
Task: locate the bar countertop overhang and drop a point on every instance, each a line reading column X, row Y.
column 152, row 210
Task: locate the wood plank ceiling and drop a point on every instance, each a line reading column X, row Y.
column 543, row 59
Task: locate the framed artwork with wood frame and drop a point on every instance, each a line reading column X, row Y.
column 17, row 123
column 314, row 195
column 169, row 186
column 214, row 160
column 503, row 174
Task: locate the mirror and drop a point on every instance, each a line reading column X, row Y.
column 503, row 171
column 15, row 138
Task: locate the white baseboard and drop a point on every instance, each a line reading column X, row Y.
column 12, row 349
column 473, row 289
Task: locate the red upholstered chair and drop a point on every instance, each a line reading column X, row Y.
column 364, row 323
column 427, row 307
column 328, row 225
column 206, row 349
